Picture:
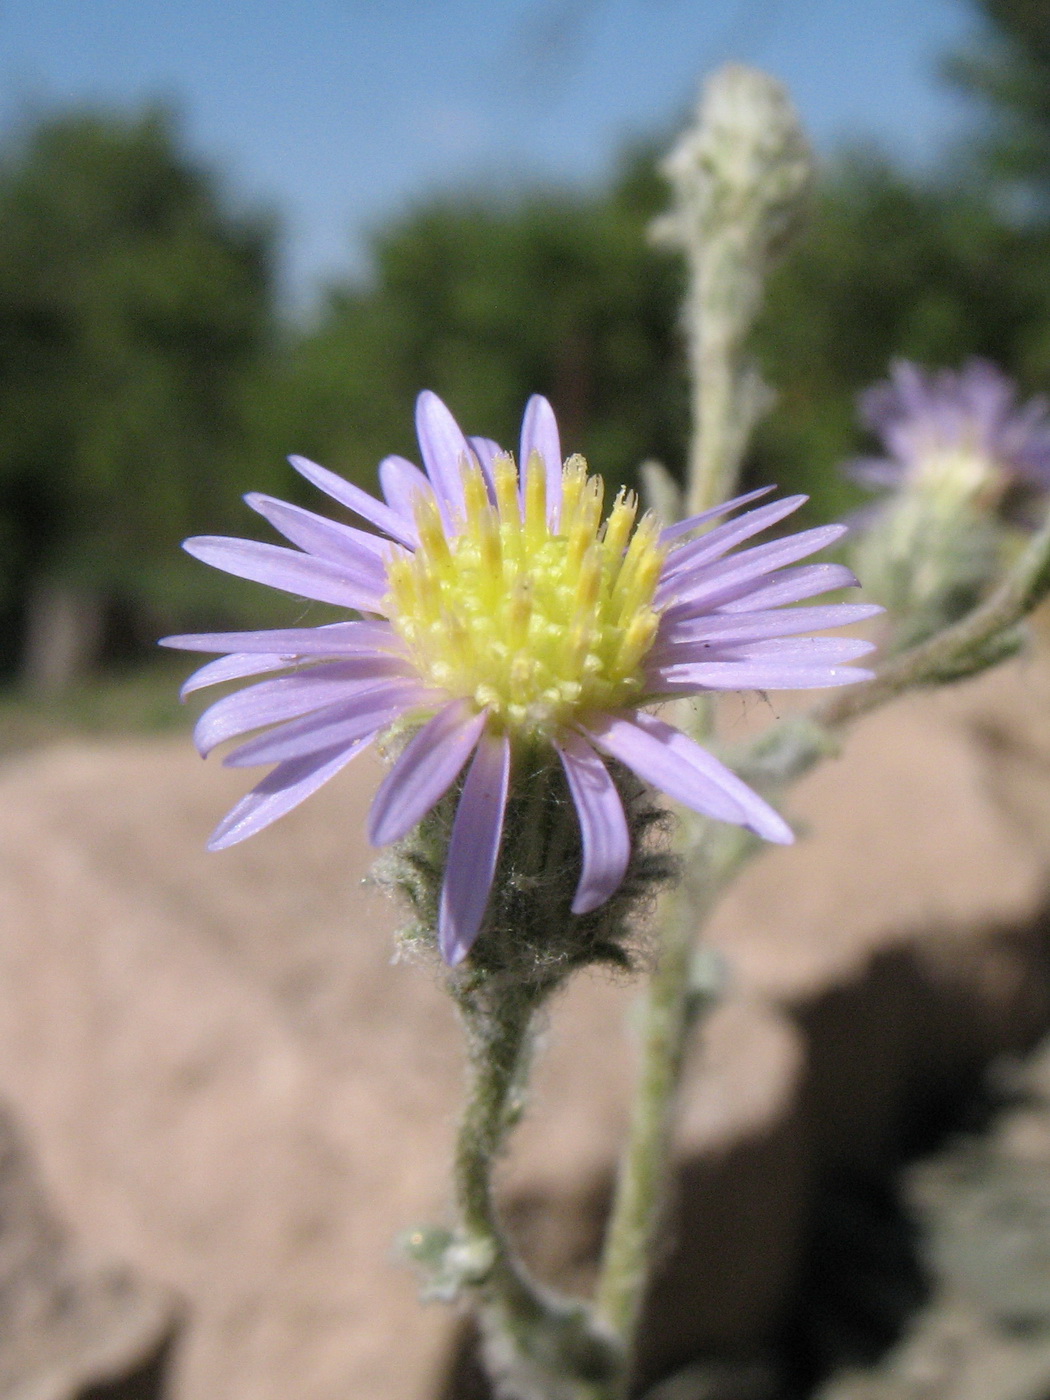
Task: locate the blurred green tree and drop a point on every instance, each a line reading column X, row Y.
column 487, row 301
column 1008, row 69
column 135, row 307
column 891, row 265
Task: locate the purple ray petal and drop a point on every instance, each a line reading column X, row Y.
column 402, row 482
column 755, row 675
column 444, row 448
column 723, row 538
column 362, row 711
column 331, row 639
column 784, row 586
column 692, row 522
column 792, row 585
column 328, row 539
column 826, row 651
column 288, row 570
column 474, row 847
column 802, row 651
column 423, row 773
column 672, row 762
column 606, row 841
column 280, row 791
column 725, row 628
column 360, row 502
column 232, row 668
column 539, row 433
column 272, row 701
column 710, row 583
column 486, row 450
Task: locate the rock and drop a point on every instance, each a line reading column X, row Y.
column 234, row 1088
column 921, row 824
column 66, row 1326
column 983, row 1204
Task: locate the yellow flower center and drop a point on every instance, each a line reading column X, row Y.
column 536, row 626
column 954, row 476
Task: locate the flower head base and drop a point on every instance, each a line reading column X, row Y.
column 534, row 615
column 512, row 633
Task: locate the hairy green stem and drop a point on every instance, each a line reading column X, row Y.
column 537, row 1345
column 718, row 378
column 713, row 853
column 740, row 179
column 499, row 1047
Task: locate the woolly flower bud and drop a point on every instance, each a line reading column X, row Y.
column 745, row 166
column 740, row 178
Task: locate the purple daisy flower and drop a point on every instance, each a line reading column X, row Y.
column 960, row 426
column 494, row 614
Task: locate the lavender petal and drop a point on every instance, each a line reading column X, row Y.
column 487, row 450
column 606, row 841
column 423, row 773
column 725, row 628
column 827, row 651
column 362, row 711
column 719, row 541
column 692, row 522
column 792, row 585
column 331, row 639
column 232, row 668
column 287, row 570
column 401, row 482
column 672, row 762
column 288, row 697
column 711, row 582
column 539, row 433
column 801, row 651
column 327, row 539
column 755, row 675
column 444, row 449
column 784, row 586
column 474, row 848
column 280, row 791
column 360, row 502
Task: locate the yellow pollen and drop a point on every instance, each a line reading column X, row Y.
column 538, row 625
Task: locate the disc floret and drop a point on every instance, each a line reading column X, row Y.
column 534, row 614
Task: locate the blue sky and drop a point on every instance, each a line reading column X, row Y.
column 339, row 113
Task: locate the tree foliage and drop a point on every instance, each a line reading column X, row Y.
column 1008, row 69
column 890, row 266
column 487, row 301
column 134, row 306
column 143, row 384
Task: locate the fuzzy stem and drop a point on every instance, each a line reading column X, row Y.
column 499, row 1047
column 537, row 1344
column 713, row 853
column 714, row 345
